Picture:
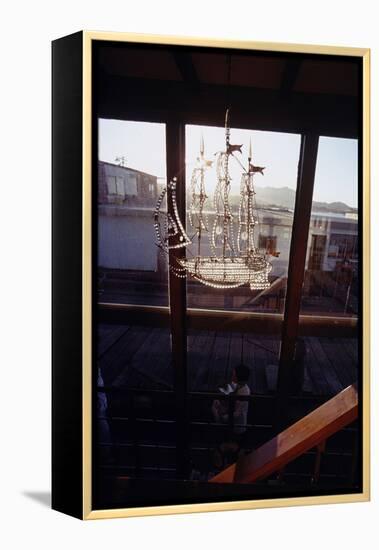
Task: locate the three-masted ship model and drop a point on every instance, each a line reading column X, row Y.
column 234, row 258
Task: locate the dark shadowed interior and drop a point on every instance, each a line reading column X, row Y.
column 163, row 345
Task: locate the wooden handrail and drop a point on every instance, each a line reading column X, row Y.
column 294, row 441
column 230, row 321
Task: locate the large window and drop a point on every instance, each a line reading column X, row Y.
column 275, row 199
column 131, row 173
column 331, row 271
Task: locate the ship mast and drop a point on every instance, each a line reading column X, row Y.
column 227, row 182
column 250, row 217
column 202, row 195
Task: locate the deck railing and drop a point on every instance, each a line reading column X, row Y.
column 143, row 430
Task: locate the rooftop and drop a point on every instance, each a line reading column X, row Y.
column 128, row 168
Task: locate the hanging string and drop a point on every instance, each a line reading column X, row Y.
column 228, row 79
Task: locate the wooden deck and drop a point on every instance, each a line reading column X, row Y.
column 135, row 356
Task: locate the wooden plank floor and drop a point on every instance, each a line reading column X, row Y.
column 136, row 356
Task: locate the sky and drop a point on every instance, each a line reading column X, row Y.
column 143, row 146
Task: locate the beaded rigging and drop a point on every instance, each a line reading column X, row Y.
column 233, row 262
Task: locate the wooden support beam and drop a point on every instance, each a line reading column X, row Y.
column 320, row 450
column 175, row 151
column 296, row 267
column 186, row 67
column 289, row 77
column 258, row 108
column 309, row 432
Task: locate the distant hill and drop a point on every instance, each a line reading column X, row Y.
column 285, row 197
column 275, row 196
column 333, row 207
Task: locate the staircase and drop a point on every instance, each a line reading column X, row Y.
column 310, row 432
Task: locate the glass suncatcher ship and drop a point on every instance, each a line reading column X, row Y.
column 235, row 259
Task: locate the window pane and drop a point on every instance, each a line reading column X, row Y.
column 131, row 172
column 331, row 284
column 275, row 199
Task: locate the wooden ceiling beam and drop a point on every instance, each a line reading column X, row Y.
column 186, row 67
column 251, row 108
column 289, row 77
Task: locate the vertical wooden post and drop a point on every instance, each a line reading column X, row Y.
column 175, row 145
column 296, row 268
column 320, row 450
